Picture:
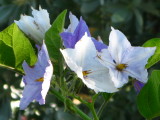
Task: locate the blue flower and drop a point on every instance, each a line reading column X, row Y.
column 76, row 31
column 37, row 79
column 123, row 60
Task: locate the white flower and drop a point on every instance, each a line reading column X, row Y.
column 81, row 60
column 36, row 26
column 123, row 60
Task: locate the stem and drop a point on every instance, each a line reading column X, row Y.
column 91, row 106
column 73, row 107
column 101, row 108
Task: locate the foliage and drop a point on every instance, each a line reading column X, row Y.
column 149, row 98
column 136, row 18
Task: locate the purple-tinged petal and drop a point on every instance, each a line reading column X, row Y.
column 138, row 85
column 136, row 58
column 70, row 39
column 99, row 45
column 37, row 79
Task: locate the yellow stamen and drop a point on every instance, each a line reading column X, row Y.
column 120, row 67
column 98, row 56
column 85, row 73
column 40, row 79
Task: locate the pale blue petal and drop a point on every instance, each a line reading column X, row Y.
column 37, row 90
column 118, row 44
column 136, row 58
column 118, row 78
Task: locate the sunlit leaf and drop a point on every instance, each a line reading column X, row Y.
column 15, row 48
column 156, row 57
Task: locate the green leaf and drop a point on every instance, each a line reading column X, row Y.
column 54, row 43
column 156, row 57
column 15, row 48
column 148, row 100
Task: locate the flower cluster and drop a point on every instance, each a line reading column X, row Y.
column 102, row 68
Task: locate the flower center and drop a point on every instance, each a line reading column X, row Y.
column 40, row 79
column 120, row 67
column 85, row 73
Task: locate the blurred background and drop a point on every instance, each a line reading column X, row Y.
column 139, row 20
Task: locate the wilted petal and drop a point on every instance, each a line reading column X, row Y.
column 36, row 26
column 118, row 44
column 37, row 79
column 136, row 58
column 82, row 61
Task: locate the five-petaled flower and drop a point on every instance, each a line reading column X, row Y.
column 36, row 26
column 123, row 60
column 81, row 59
column 37, row 79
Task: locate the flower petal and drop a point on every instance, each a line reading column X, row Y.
column 118, row 78
column 35, row 27
column 30, row 93
column 138, row 85
column 28, row 26
column 37, row 79
column 73, row 23
column 70, row 39
column 105, row 58
column 118, row 44
column 136, row 58
column 76, row 31
column 99, row 45
column 41, row 17
column 81, row 59
column 99, row 80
